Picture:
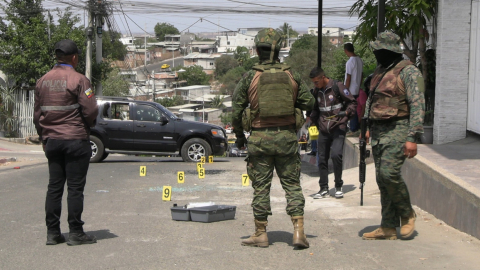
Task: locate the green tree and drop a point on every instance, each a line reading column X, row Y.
column 217, row 102
column 170, row 101
column 250, row 62
column 24, row 45
column 226, row 118
column 408, row 19
column 162, row 29
column 287, row 32
column 115, row 84
column 241, row 54
column 112, row 47
column 223, row 64
column 194, row 75
column 229, row 81
column 304, row 53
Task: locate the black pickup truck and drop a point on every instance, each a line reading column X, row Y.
column 140, row 127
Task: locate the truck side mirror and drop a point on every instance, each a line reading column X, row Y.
column 163, row 119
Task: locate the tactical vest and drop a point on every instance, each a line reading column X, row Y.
column 389, row 99
column 276, row 95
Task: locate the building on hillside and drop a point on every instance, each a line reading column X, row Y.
column 191, row 92
column 243, row 37
column 203, row 46
column 205, row 60
column 334, row 34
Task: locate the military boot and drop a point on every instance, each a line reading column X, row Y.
column 259, row 238
column 381, row 233
column 408, row 225
column 299, row 237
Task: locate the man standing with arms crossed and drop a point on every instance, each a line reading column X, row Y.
column 275, row 96
column 353, row 78
column 395, row 109
column 65, row 110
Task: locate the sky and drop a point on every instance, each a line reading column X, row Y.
column 196, row 16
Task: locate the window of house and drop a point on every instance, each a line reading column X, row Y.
column 228, row 42
column 211, row 63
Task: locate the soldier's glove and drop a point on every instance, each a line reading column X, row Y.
column 241, row 142
column 342, row 113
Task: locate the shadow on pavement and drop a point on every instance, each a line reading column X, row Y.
column 102, row 234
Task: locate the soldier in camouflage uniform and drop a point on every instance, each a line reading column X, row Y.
column 395, row 109
column 267, row 100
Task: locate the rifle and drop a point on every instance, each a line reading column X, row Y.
column 364, row 153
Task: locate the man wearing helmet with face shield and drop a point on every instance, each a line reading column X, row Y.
column 268, row 98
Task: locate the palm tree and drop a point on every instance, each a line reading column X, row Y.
column 286, row 31
column 217, row 102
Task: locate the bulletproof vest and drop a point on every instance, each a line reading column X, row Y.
column 275, row 91
column 389, row 99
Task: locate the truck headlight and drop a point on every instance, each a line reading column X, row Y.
column 218, row 132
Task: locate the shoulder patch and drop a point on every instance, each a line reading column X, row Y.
column 345, row 91
column 89, row 93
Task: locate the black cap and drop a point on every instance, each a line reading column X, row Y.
column 67, row 46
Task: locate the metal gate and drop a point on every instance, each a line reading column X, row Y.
column 473, row 115
column 23, row 110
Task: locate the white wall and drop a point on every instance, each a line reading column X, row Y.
column 451, row 93
column 473, row 119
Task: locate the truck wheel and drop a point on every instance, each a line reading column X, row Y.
column 105, row 155
column 194, row 149
column 97, row 149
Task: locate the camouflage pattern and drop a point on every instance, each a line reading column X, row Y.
column 413, row 82
column 305, row 100
column 268, row 150
column 268, row 37
column 389, row 99
column 388, row 41
column 271, row 149
column 388, row 139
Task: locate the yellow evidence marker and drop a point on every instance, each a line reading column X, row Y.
column 199, row 166
column 167, row 193
column 245, row 180
column 143, row 170
column 202, row 159
column 210, row 159
column 201, row 173
column 181, row 177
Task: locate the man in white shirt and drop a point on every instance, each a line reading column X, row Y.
column 353, row 78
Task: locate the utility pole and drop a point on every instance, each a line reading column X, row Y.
column 153, row 85
column 88, row 54
column 49, row 34
column 145, row 47
column 381, row 17
column 320, row 10
column 98, row 50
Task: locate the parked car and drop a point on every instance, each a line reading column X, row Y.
column 130, row 126
column 233, row 151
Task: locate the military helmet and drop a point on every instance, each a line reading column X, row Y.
column 268, row 37
column 387, row 40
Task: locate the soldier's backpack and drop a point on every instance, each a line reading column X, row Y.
column 275, row 91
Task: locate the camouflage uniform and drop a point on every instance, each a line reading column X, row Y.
column 388, row 136
column 272, row 149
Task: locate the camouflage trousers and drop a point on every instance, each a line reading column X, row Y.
column 269, row 150
column 388, row 147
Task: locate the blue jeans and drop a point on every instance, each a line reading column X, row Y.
column 314, row 145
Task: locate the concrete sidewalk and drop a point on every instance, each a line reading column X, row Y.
column 443, row 180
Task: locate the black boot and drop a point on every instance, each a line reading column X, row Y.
column 75, row 239
column 55, row 238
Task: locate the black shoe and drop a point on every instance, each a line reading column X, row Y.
column 323, row 193
column 53, row 239
column 312, row 153
column 75, row 239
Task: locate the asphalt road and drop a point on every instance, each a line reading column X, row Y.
column 157, row 66
column 135, row 230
